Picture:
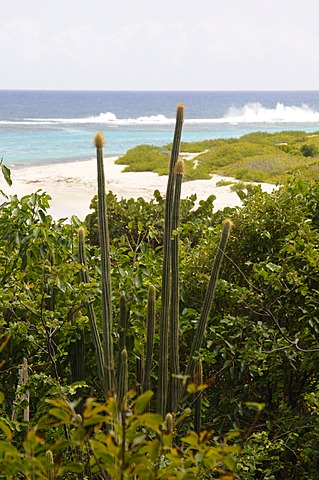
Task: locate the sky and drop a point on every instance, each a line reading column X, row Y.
column 159, row 45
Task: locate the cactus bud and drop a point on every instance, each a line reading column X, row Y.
column 180, row 167
column 50, row 468
column 169, row 422
column 180, row 113
column 81, row 233
column 99, row 140
column 227, row 224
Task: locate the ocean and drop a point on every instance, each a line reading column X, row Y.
column 46, row 127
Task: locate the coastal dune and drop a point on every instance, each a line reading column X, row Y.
column 73, row 185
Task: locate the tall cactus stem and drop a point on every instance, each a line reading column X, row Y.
column 105, row 265
column 84, row 275
column 162, row 392
column 150, row 330
column 208, row 300
column 122, row 333
column 123, row 379
column 139, row 374
column 123, row 322
column 50, row 465
column 174, row 318
column 198, row 379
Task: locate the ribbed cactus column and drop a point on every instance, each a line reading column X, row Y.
column 122, row 336
column 105, row 265
column 162, row 391
column 50, row 465
column 198, row 379
column 174, row 320
column 123, row 379
column 150, row 330
column 84, row 274
column 208, row 300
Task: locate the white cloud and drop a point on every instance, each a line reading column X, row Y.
column 177, row 44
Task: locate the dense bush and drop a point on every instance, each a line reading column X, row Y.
column 259, row 355
column 309, row 150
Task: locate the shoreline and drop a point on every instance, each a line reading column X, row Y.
column 72, row 185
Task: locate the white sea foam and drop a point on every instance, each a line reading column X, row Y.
column 249, row 113
column 257, row 113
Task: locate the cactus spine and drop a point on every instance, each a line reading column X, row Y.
column 174, row 320
column 166, row 284
column 99, row 355
column 105, row 265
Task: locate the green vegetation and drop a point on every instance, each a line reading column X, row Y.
column 258, row 157
column 224, row 183
column 244, row 372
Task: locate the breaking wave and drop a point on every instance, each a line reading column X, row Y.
column 249, row 113
column 257, row 113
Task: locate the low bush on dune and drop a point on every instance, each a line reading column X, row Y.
column 259, row 157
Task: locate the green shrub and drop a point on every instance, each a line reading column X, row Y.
column 309, row 150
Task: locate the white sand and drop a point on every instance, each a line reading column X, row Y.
column 73, row 185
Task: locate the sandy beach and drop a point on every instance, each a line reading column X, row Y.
column 73, row 185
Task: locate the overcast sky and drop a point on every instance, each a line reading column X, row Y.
column 159, row 45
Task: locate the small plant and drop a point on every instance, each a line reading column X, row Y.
column 224, row 183
column 239, row 186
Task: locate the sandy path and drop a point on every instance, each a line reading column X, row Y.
column 73, row 185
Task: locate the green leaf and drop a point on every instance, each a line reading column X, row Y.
column 74, row 467
column 258, row 406
column 191, row 439
column 154, row 449
column 4, row 340
column 7, row 174
column 6, row 430
column 142, row 401
column 154, row 421
column 6, row 447
column 138, row 280
column 42, row 215
column 3, row 194
column 60, row 414
column 61, row 285
column 144, row 269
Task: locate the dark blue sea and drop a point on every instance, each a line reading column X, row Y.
column 40, row 127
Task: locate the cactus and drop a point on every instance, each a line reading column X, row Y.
column 105, row 266
column 198, row 379
column 50, row 465
column 208, row 300
column 123, row 379
column 123, row 323
column 122, row 334
column 150, row 329
column 84, row 275
column 169, row 423
column 174, row 320
column 166, row 282
column 168, row 365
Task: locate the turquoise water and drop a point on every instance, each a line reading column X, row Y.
column 40, row 127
